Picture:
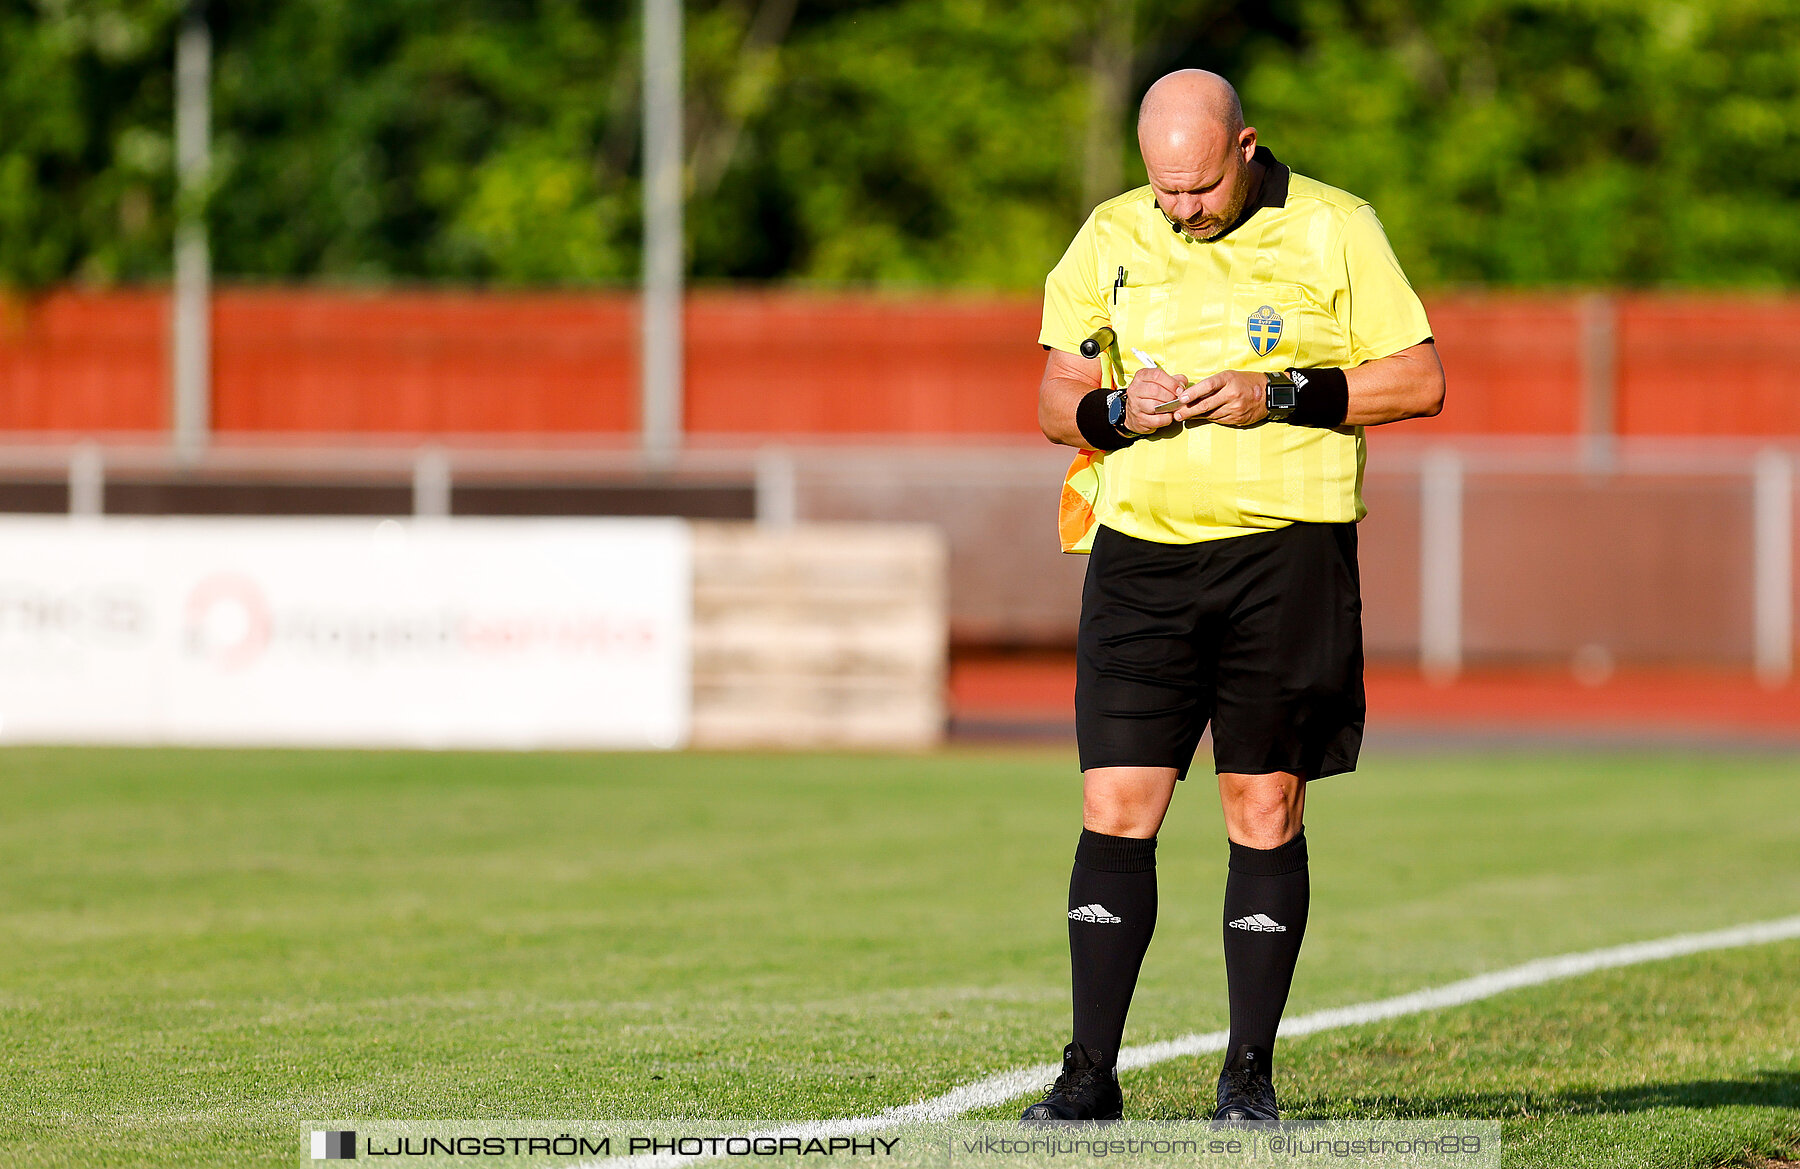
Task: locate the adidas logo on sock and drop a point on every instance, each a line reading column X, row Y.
column 1260, row 923
column 1096, row 912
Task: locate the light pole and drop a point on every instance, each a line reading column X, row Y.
column 664, row 255
column 191, row 340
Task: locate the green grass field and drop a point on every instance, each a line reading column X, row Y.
column 199, row 950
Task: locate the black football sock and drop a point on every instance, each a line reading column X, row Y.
column 1266, row 897
column 1112, row 913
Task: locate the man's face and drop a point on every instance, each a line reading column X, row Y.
column 1202, row 181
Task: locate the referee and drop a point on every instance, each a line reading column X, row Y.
column 1269, row 310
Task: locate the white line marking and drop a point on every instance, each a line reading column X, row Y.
column 1004, row 1086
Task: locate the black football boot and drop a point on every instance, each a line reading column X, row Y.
column 1086, row 1092
column 1246, row 1094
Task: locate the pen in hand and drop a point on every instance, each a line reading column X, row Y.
column 1166, row 407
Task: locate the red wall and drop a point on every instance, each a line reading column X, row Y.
column 1709, row 366
column 1513, row 366
column 422, row 363
column 319, row 362
column 84, row 362
column 771, row 363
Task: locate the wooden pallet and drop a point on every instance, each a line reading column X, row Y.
column 819, row 635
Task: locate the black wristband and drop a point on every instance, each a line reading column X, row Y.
column 1091, row 420
column 1321, row 398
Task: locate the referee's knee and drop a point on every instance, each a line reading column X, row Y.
column 1262, row 811
column 1126, row 801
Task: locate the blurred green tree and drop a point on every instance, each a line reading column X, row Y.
column 1544, row 142
column 423, row 140
column 86, row 150
column 940, row 143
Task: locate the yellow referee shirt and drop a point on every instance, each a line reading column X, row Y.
column 1308, row 280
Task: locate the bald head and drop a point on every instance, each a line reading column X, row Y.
column 1197, row 151
column 1190, row 102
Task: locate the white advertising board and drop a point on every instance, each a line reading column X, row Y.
column 448, row 633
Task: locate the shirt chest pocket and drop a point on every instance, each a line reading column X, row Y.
column 1268, row 326
column 1141, row 316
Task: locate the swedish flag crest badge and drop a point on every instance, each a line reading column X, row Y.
column 1264, row 328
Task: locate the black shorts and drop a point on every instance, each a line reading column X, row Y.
column 1260, row 634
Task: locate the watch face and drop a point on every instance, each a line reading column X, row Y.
column 1282, row 396
column 1115, row 408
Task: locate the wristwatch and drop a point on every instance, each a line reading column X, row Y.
column 1115, row 414
column 1281, row 397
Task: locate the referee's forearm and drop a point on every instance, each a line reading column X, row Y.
column 1058, row 398
column 1407, row 384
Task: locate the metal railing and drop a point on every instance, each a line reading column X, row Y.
column 805, row 480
